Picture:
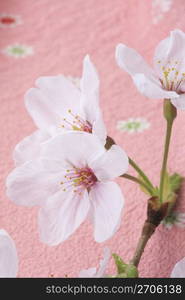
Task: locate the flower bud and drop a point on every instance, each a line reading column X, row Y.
column 169, row 111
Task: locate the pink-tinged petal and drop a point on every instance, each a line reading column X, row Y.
column 61, row 94
column 151, row 88
column 171, row 47
column 8, row 256
column 104, row 263
column 90, row 90
column 99, row 128
column 32, row 183
column 131, row 61
column 179, row 269
column 37, row 106
column 73, row 148
column 87, row 273
column 106, row 204
column 90, row 99
column 50, row 102
column 176, row 45
column 62, row 215
column 170, row 52
column 29, row 148
column 179, row 103
column 161, row 51
column 111, row 164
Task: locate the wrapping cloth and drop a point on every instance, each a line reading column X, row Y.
column 56, row 35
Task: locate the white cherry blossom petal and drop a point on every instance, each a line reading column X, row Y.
column 99, row 129
column 176, row 45
column 161, row 51
column 62, row 215
column 107, row 203
column 111, row 164
column 87, row 273
column 73, row 148
column 103, row 263
column 90, row 99
column 32, row 183
column 29, row 148
column 151, row 89
column 8, row 256
column 131, row 61
column 171, row 48
column 179, row 269
column 61, row 94
column 37, row 105
column 90, row 89
column 169, row 55
column 179, row 102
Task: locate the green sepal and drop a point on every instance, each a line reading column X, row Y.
column 120, row 264
column 169, row 111
column 172, row 184
column 176, row 182
column 124, row 270
column 130, row 272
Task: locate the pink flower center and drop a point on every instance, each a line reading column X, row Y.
column 171, row 77
column 75, row 122
column 7, row 20
column 79, row 179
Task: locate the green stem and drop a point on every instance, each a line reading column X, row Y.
column 170, row 113
column 140, row 182
column 165, row 157
column 141, row 173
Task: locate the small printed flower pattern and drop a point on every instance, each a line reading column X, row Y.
column 18, row 51
column 174, row 219
column 133, row 125
column 9, row 21
column 159, row 8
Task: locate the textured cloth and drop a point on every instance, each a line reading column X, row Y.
column 57, row 35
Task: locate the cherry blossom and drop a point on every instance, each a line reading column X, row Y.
column 167, row 78
column 57, row 105
column 72, row 180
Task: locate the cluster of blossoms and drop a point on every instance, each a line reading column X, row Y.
column 65, row 166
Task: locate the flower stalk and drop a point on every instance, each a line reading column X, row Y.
column 170, row 113
column 141, row 173
column 137, row 180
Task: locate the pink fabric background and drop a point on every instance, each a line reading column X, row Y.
column 61, row 33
